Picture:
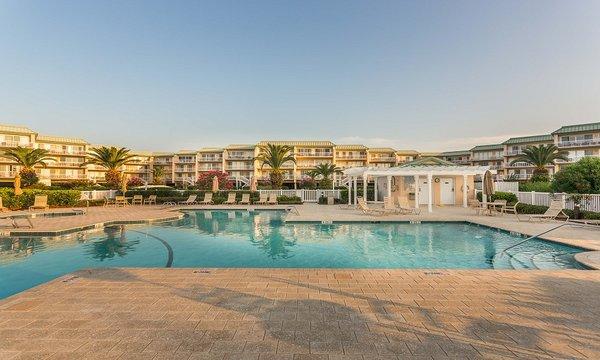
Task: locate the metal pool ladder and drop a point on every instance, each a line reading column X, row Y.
column 531, row 237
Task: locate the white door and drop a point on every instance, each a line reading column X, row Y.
column 423, row 192
column 447, row 191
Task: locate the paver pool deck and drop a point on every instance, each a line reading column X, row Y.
column 305, row 314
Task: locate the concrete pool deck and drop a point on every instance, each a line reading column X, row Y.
column 319, row 314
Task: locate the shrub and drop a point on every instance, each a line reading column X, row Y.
column 289, row 199
column 582, row 177
column 28, row 177
column 500, row 195
column 76, row 184
column 308, row 183
column 531, row 209
column 323, row 200
column 135, row 181
column 205, row 180
column 538, row 186
column 56, row 198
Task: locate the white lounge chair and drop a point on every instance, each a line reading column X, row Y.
column 262, row 200
column 2, row 208
column 207, row 199
column 554, row 211
column 362, row 206
column 137, row 200
column 191, row 200
column 230, row 199
column 40, row 202
column 245, row 199
column 272, row 199
column 405, row 208
column 150, row 200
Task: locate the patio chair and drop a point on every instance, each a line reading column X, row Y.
column 137, row 200
column 150, row 200
column 362, row 206
column 262, row 200
column 230, row 199
column 554, row 211
column 389, row 206
column 272, row 199
column 2, row 208
column 501, row 203
column 120, row 200
column 108, row 201
column 40, row 202
column 480, row 209
column 245, row 199
column 406, row 208
column 511, row 209
column 191, row 200
column 207, row 199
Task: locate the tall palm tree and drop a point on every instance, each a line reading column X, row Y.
column 28, row 158
column 326, row 170
column 540, row 156
column 274, row 156
column 111, row 158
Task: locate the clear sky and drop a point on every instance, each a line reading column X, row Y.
column 428, row 75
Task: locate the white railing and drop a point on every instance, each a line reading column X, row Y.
column 502, row 186
column 589, row 202
column 98, row 194
column 305, row 194
column 579, row 143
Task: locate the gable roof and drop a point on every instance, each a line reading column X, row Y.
column 578, row 128
column 350, row 147
column 456, row 153
column 15, row 129
column 528, row 139
column 428, row 161
column 488, row 147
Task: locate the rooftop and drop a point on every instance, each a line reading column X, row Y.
column 61, row 140
column 578, row 128
column 488, row 147
column 297, row 143
column 528, row 139
column 456, row 153
column 15, row 129
column 350, row 147
column 382, row 149
column 240, row 147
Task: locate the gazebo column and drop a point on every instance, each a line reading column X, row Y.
column 389, row 187
column 430, row 195
column 375, row 188
column 350, row 191
column 355, row 190
column 365, row 183
column 465, row 191
column 416, row 191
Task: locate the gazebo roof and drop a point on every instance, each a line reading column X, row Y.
column 424, row 166
column 427, row 161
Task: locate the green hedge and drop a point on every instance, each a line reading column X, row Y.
column 540, row 209
column 56, row 198
column 289, row 200
column 536, row 186
column 499, row 195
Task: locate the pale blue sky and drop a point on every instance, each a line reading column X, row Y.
column 429, row 75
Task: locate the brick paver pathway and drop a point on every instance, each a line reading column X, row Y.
column 305, row 314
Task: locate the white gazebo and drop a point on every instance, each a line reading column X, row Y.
column 428, row 181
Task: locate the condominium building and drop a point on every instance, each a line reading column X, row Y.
column 513, row 148
column 238, row 160
column 579, row 140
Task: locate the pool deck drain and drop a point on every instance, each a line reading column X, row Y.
column 305, row 314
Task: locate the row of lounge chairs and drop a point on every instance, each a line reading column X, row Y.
column 389, row 207
column 270, row 199
column 555, row 210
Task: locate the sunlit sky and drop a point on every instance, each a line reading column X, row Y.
column 426, row 75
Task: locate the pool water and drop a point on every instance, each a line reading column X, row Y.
column 262, row 239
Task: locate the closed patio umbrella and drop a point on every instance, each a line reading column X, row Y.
column 215, row 184
column 124, row 186
column 18, row 190
column 253, row 184
column 488, row 184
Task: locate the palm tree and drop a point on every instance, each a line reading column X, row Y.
column 540, row 156
column 158, row 175
column 28, row 158
column 112, row 159
column 275, row 156
column 326, row 170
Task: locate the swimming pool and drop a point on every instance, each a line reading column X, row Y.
column 262, row 239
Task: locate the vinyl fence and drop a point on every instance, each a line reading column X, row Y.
column 98, row 194
column 505, row 186
column 589, row 202
column 304, row 194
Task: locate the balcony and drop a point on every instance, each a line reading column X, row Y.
column 579, row 143
column 573, row 159
column 185, row 161
column 11, row 144
column 517, row 177
column 234, row 167
column 210, row 159
column 205, row 168
column 64, row 176
column 351, row 157
column 7, row 174
column 64, row 164
column 520, row 164
column 239, row 157
column 163, row 162
column 315, row 154
column 66, row 152
column 383, row 159
column 513, row 153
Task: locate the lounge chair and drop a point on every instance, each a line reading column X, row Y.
column 262, row 200
column 480, row 209
column 150, row 200
column 207, row 199
column 13, row 220
column 137, row 200
column 389, row 206
column 191, row 200
column 108, row 201
column 405, row 208
column 120, row 200
column 245, row 199
column 554, row 211
column 40, row 202
column 511, row 209
column 362, row 206
column 272, row 199
column 2, row 208
column 230, row 199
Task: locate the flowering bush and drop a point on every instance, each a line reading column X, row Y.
column 28, row 177
column 134, row 181
column 205, row 180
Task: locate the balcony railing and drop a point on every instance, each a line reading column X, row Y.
column 383, row 159
column 240, row 167
column 573, row 159
column 185, row 161
column 64, row 176
column 66, row 152
column 519, row 164
column 63, row 164
column 315, row 154
column 211, row 159
column 240, row 157
column 210, row 169
column 513, row 153
column 7, row 174
column 579, row 143
column 15, row 144
column 351, row 157
column 517, row 176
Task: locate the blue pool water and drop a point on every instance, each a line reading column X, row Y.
column 262, row 239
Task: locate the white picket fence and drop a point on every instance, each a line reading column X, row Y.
column 304, row 194
column 98, row 194
column 505, row 186
column 589, row 202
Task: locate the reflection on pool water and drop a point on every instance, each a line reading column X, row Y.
column 262, row 239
